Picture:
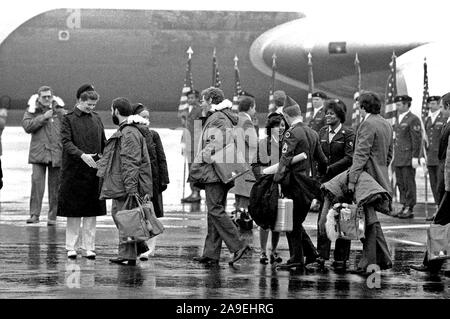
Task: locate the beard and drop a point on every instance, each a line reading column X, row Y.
column 115, row 119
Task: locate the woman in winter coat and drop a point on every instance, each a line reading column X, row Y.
column 160, row 173
column 268, row 154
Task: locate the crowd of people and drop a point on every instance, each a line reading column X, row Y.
column 340, row 164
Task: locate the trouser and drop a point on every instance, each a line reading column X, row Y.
column 38, row 188
column 127, row 250
column 433, row 174
column 84, row 240
column 220, row 225
column 375, row 249
column 406, row 181
column 341, row 247
column 440, row 188
column 193, row 188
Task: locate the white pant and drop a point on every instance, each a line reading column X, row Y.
column 86, row 240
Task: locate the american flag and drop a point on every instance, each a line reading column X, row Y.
column 215, row 73
column 425, row 91
column 188, row 83
column 309, row 106
column 237, row 85
column 272, row 107
column 391, row 110
column 356, row 117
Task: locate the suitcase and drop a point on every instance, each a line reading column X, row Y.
column 438, row 242
column 285, row 219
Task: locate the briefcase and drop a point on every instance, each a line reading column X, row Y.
column 438, row 242
column 131, row 221
column 285, row 215
column 229, row 163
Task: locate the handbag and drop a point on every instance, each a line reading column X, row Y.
column 345, row 221
column 131, row 221
column 229, row 163
column 438, row 242
column 154, row 226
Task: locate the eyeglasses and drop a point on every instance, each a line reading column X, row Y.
column 47, row 96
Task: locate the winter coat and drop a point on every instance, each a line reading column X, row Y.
column 367, row 192
column 125, row 166
column 216, row 134
column 373, row 151
column 158, row 162
column 247, row 141
column 79, row 185
column 45, row 145
column 263, row 203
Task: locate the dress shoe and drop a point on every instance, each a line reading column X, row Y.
column 407, row 213
column 145, row 256
column 360, row 272
column 191, row 199
column 339, row 266
column 51, row 222
column 33, row 220
column 238, row 254
column 311, row 259
column 291, row 265
column 206, row 260
column 123, row 261
column 263, row 259
column 422, row 268
column 319, row 264
column 72, row 254
column 90, row 254
column 430, row 219
column 274, row 258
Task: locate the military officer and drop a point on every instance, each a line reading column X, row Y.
column 318, row 119
column 433, row 126
column 408, row 133
column 296, row 182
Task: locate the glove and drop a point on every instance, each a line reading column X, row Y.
column 422, row 161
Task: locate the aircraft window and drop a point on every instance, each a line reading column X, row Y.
column 337, row 47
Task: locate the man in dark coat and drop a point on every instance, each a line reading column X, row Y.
column 297, row 184
column 442, row 150
column 318, row 119
column 191, row 120
column 83, row 139
column 408, row 142
column 216, row 135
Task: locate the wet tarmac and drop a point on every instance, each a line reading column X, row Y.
column 33, row 262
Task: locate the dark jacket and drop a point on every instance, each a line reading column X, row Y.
column 373, row 151
column 339, row 152
column 433, row 131
column 318, row 121
column 158, row 162
column 125, row 165
column 45, row 145
column 80, row 187
column 408, row 140
column 263, row 203
column 297, row 139
column 443, row 142
column 217, row 133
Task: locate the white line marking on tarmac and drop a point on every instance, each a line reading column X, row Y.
column 408, row 242
column 418, row 226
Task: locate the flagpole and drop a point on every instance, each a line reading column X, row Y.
column 188, row 75
column 424, row 113
column 309, row 106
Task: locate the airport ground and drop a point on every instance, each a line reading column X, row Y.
column 33, row 262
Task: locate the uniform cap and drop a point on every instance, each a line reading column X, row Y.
column 320, row 94
column 84, row 88
column 402, row 98
column 433, row 98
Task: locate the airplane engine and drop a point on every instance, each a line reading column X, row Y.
column 410, row 72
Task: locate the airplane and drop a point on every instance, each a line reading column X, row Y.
column 140, row 53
